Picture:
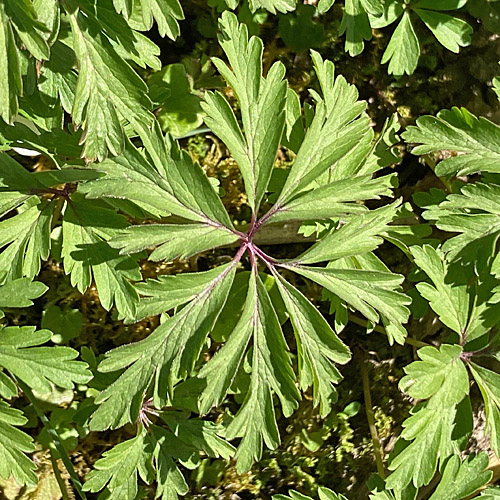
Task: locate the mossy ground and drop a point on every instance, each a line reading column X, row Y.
column 336, row 452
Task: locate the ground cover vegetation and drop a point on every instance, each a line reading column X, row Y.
column 249, row 249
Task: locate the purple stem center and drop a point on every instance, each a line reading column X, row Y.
column 254, row 252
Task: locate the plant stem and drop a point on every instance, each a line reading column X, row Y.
column 56, row 440
column 57, row 474
column 377, row 448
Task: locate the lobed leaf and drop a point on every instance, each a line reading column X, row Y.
column 458, row 130
column 167, row 355
column 39, row 367
column 262, row 103
column 86, row 226
column 14, row 444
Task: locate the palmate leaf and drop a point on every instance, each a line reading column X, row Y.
column 457, row 130
column 167, row 355
column 162, row 180
column 255, row 422
column 262, row 103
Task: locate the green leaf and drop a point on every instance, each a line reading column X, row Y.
column 11, row 85
column 450, row 31
column 126, row 41
column 58, row 78
column 356, row 25
column 24, row 20
column 166, row 13
column 119, row 468
column 86, row 255
column 335, row 199
column 180, row 110
column 324, row 6
column 170, row 183
column 440, row 4
column 167, row 355
column 375, row 294
column 172, row 240
column 202, row 436
column 491, row 493
column 292, row 495
column 473, row 213
column 430, row 432
column 166, row 292
column 489, row 385
column 273, row 5
column 14, row 444
column 21, row 292
column 457, row 130
column 39, row 367
column 318, row 347
column 440, row 375
column 391, row 11
column 166, row 449
column 324, row 494
column 271, row 373
column 449, row 301
column 403, row 49
column 462, row 479
column 300, row 31
column 339, row 124
column 107, row 93
column 25, row 239
column 262, row 104
column 357, row 236
column 66, row 324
